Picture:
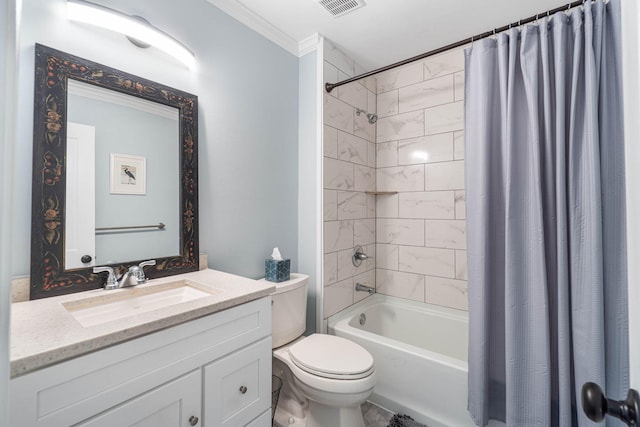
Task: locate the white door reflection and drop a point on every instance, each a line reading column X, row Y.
column 80, row 210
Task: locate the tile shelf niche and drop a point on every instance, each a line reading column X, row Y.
column 381, row 193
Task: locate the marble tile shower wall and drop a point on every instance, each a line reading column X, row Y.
column 349, row 172
column 421, row 230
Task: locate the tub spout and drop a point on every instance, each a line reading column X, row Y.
column 363, row 288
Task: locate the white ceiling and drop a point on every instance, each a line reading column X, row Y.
column 383, row 31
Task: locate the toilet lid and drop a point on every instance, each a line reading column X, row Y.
column 331, row 357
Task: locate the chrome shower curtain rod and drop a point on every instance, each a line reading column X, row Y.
column 330, row 86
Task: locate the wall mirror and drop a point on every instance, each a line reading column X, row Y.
column 114, row 175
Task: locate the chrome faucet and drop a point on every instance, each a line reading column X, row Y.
column 128, row 278
column 363, row 288
column 132, row 277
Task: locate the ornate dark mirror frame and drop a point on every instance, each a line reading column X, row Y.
column 53, row 68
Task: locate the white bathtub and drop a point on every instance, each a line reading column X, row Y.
column 420, row 354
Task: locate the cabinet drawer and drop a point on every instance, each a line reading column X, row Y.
column 237, row 388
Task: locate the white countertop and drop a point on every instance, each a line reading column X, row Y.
column 43, row 332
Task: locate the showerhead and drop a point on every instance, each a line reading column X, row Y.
column 371, row 117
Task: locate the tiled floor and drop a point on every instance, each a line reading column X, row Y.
column 375, row 416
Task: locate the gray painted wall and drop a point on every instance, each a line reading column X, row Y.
column 248, row 121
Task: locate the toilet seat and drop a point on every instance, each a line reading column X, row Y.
column 338, row 386
column 329, row 356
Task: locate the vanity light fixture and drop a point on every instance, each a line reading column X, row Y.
column 132, row 27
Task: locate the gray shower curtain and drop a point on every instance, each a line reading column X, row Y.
column 546, row 218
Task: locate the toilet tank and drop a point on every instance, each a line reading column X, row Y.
column 289, row 309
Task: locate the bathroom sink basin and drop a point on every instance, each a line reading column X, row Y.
column 115, row 305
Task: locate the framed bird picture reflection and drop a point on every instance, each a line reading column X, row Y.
column 128, row 174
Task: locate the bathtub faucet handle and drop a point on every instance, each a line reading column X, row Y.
column 358, row 256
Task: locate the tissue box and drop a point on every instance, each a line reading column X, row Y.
column 277, row 271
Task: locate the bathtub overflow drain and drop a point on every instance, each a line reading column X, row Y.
column 363, row 319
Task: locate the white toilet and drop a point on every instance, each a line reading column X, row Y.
column 334, row 375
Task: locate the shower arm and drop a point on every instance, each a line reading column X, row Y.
column 371, row 117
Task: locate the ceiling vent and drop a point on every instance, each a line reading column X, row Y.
column 340, row 7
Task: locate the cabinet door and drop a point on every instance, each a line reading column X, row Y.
column 237, row 388
column 263, row 420
column 174, row 404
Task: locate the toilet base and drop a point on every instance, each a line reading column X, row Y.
column 316, row 415
column 299, row 404
column 320, row 415
column 283, row 418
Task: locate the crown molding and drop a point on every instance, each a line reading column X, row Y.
column 241, row 13
column 112, row 97
column 309, row 44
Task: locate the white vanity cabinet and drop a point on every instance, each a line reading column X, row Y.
column 208, row 372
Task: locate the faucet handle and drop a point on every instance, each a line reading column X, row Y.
column 358, row 255
column 145, row 263
column 112, row 281
column 139, row 272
